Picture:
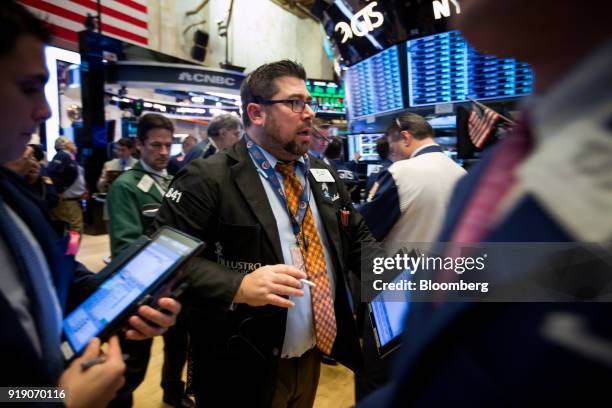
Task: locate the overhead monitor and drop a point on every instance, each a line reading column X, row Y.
column 329, row 95
column 375, row 85
column 443, row 68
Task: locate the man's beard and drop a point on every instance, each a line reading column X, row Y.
column 272, row 132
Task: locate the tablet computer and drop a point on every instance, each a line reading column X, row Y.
column 387, row 314
column 129, row 285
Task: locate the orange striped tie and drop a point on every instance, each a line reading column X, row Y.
column 316, row 268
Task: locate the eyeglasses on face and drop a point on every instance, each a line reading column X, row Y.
column 297, row 105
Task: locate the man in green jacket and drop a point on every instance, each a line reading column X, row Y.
column 136, row 194
column 133, row 201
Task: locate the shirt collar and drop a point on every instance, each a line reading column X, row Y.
column 421, row 148
column 273, row 160
column 149, row 169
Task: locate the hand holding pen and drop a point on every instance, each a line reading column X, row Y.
column 94, row 384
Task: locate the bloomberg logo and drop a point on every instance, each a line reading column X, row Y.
column 209, row 79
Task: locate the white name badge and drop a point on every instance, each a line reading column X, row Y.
column 322, row 175
column 145, row 183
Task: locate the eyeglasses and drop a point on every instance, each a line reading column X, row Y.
column 297, row 105
column 318, row 135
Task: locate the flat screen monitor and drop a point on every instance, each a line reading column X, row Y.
column 329, row 95
column 365, row 145
column 443, row 68
column 375, row 85
column 176, row 148
column 387, row 314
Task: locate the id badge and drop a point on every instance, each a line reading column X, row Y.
column 297, row 258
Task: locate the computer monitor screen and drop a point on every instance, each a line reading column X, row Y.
column 329, row 95
column 176, row 148
column 375, row 85
column 443, row 68
column 365, row 145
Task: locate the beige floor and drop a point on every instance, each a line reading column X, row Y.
column 335, row 387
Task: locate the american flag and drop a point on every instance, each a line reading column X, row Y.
column 481, row 123
column 126, row 20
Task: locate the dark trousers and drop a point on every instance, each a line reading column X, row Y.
column 175, row 355
column 298, row 379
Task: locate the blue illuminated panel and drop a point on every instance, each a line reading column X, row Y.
column 442, row 68
column 375, row 85
column 437, row 69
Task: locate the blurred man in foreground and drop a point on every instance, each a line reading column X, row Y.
column 36, row 275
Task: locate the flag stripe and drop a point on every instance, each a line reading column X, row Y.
column 106, row 11
column 125, row 20
column 140, row 7
column 125, row 10
column 66, row 34
column 107, row 21
column 122, row 33
column 53, row 9
column 480, row 124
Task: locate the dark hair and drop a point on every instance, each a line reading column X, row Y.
column 225, row 121
column 152, row 121
column 15, row 21
column 334, row 148
column 37, row 151
column 382, row 148
column 410, row 122
column 125, row 142
column 259, row 84
column 188, row 139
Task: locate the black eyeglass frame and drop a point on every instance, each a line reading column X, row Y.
column 313, row 104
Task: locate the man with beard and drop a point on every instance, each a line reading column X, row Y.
column 271, row 216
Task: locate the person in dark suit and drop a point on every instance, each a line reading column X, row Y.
column 39, row 282
column 254, row 338
column 177, row 162
column 532, row 187
column 223, row 131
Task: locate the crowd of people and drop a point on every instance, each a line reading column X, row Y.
column 273, row 295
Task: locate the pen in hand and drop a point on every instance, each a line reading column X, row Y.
column 98, row 360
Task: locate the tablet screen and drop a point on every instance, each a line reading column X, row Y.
column 388, row 316
column 119, row 291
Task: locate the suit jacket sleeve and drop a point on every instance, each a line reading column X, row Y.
column 357, row 229
column 102, row 180
column 383, row 211
column 124, row 211
column 193, row 209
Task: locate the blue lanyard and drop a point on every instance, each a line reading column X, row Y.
column 264, row 165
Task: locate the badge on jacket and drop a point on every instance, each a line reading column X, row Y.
column 145, row 183
column 322, row 175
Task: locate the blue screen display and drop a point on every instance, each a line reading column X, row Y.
column 119, row 291
column 389, row 314
column 374, row 86
column 443, row 68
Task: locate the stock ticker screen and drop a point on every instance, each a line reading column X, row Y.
column 442, row 68
column 330, row 95
column 375, row 84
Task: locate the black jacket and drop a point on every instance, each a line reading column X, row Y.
column 222, row 201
